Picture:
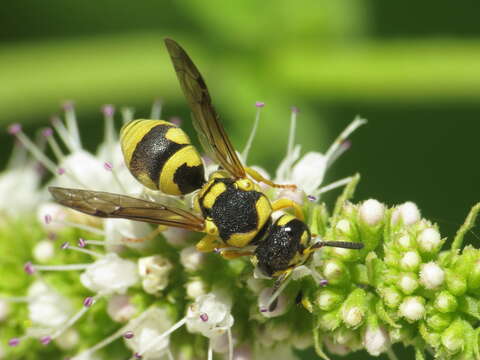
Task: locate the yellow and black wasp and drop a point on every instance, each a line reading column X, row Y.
column 230, row 208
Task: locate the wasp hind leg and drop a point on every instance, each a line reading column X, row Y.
column 150, row 236
column 287, row 203
column 258, row 177
column 209, row 243
column 233, row 254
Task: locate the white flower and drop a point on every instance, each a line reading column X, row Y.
column 209, row 316
column 376, row 340
column 195, row 288
column 372, row 212
column 431, row 275
column 147, row 332
column 191, row 258
column 46, row 307
column 120, row 309
column 119, row 231
column 154, row 271
column 410, row 261
column 429, row 240
column 264, row 299
column 110, row 274
column 408, row 283
column 352, row 316
column 408, row 213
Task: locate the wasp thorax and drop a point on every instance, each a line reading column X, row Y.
column 160, row 156
column 283, row 247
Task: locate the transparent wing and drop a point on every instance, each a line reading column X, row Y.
column 205, row 119
column 108, row 205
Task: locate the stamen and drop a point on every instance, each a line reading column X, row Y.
column 253, row 132
column 109, row 167
column 334, row 185
column 137, row 355
column 128, row 335
column 155, row 341
column 45, row 340
column 60, row 171
column 14, row 129
column 31, row 268
column 156, row 112
column 48, row 134
column 63, row 133
column 230, row 343
column 14, row 342
column 127, row 114
column 88, row 301
column 291, row 141
column 311, row 198
column 66, row 246
column 72, row 125
column 48, row 219
column 354, row 125
column 204, row 317
column 210, row 350
column 75, row 317
column 81, row 243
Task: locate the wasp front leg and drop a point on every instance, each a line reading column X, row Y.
column 258, row 177
column 287, row 203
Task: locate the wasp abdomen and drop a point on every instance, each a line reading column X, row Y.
column 160, row 156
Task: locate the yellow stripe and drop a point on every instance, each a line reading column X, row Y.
column 213, row 192
column 133, row 132
column 177, row 135
column 284, row 219
column 188, row 155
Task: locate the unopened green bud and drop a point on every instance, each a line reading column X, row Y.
column 347, row 255
column 412, row 308
column 445, row 302
column 410, row 261
column 328, row 299
column 405, row 242
column 335, row 271
column 453, row 338
column 354, row 308
column 343, row 227
column 456, row 283
column 343, row 336
column 408, row 283
column 391, row 297
column 329, row 321
column 439, row 321
column 474, row 276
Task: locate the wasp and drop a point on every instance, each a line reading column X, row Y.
column 229, row 207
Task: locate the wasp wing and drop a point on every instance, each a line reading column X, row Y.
column 210, row 131
column 108, row 205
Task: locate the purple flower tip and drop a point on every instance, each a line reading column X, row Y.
column 82, row 243
column 88, row 301
column 13, row 342
column 347, row 144
column 108, row 166
column 204, row 317
column 46, row 340
column 52, row 236
column 263, row 310
column 311, row 198
column 60, row 171
column 68, row 105
column 28, row 267
column 48, row 219
column 128, row 335
column 47, row 132
column 137, row 355
column 108, row 110
column 323, row 282
column 295, row 110
column 259, row 104
column 14, row 129
column 65, row 245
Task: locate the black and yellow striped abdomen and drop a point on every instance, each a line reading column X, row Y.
column 160, row 156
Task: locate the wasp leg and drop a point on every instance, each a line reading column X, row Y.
column 287, row 203
column 258, row 177
column 209, row 243
column 278, row 287
column 148, row 237
column 232, row 254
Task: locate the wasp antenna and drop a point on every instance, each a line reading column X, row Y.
column 340, row 244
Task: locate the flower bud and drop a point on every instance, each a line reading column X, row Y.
column 429, row 241
column 354, row 308
column 191, row 258
column 195, row 288
column 456, row 284
column 279, row 331
column 154, row 271
column 439, row 321
column 68, row 340
column 405, row 242
column 343, row 336
column 264, row 300
column 43, row 251
column 329, row 321
column 328, row 299
column 371, row 212
column 343, row 226
column 335, row 271
column 431, row 276
column 445, row 302
column 391, row 297
column 407, row 213
column 376, row 340
column 408, row 283
column 410, row 261
column 120, row 309
column 453, row 338
column 412, row 308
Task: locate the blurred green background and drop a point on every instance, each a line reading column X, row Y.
column 411, row 68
